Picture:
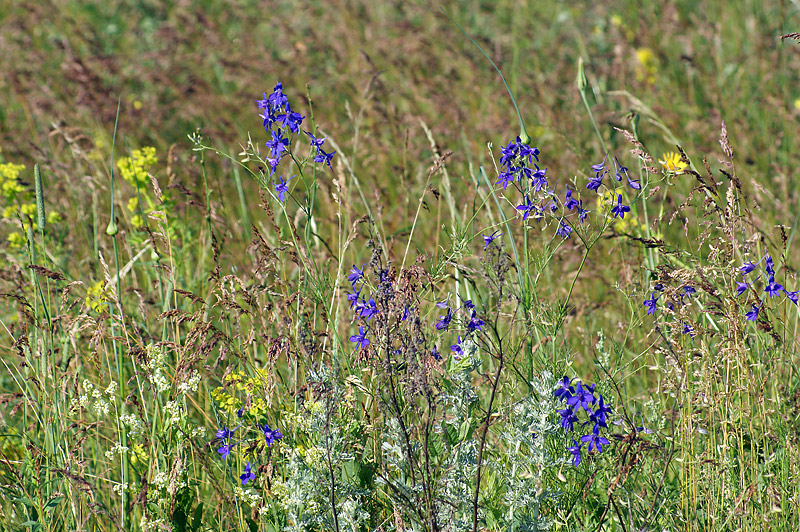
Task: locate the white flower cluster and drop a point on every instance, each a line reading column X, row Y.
column 116, row 449
column 161, row 480
column 157, row 364
column 174, row 411
column 155, row 525
column 249, row 496
column 94, row 396
column 191, row 384
column 120, row 487
column 135, row 425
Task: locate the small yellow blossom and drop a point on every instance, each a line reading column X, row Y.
column 647, row 66
column 134, row 169
column 10, row 171
column 16, row 241
column 672, row 162
column 139, row 455
column 96, row 296
column 10, row 211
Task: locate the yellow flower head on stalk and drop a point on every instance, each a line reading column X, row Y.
column 96, row 296
column 139, row 455
column 16, row 241
column 647, row 65
column 672, row 162
column 239, row 390
column 134, row 168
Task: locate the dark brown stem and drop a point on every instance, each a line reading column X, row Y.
column 483, row 441
column 330, row 469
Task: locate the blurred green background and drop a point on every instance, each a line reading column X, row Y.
column 376, row 69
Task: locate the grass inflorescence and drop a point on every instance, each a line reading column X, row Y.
column 357, row 320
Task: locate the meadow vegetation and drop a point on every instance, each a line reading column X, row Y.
column 320, row 266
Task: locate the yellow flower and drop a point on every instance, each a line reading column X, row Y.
column 134, row 169
column 96, row 296
column 10, row 171
column 139, row 454
column 797, row 103
column 10, row 211
column 16, row 240
column 647, row 66
column 53, row 217
column 672, row 162
column 29, row 209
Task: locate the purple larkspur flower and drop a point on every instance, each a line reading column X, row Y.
column 538, row 179
column 565, row 389
column 369, row 309
column 360, row 339
column 444, row 321
column 290, row 120
column 773, row 288
column 505, row 179
column 475, row 323
column 225, row 450
column 324, row 157
column 570, row 202
column 491, row 238
column 650, row 304
column 456, row 349
column 742, row 287
column 595, row 441
column 619, row 209
column 568, row 418
column 526, row 208
column 356, row 275
column 575, row 450
column 583, row 397
column 282, row 188
column 271, row 435
column 747, row 267
column 752, row 314
column 248, row 475
column 792, row 296
column 564, row 229
column 315, row 142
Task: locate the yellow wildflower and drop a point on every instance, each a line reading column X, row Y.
column 139, row 454
column 96, row 296
column 10, row 171
column 134, row 168
column 672, row 162
column 647, row 66
column 16, row 241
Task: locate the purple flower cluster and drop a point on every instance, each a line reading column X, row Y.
column 224, row 437
column 600, row 171
column 280, row 122
column 518, row 166
column 360, row 305
column 685, row 291
column 771, row 287
column 577, row 399
column 471, row 319
column 516, row 160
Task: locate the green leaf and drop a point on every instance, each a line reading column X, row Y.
column 197, row 519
